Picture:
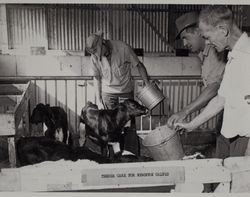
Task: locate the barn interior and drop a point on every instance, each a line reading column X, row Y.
column 43, row 60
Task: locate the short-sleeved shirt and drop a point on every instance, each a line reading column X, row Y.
column 234, row 87
column 116, row 77
column 213, row 65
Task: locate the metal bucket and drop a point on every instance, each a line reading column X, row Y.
column 150, row 95
column 164, row 144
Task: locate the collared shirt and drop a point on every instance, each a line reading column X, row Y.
column 213, row 65
column 116, row 77
column 234, row 87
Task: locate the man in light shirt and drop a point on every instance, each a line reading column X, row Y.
column 217, row 25
column 112, row 62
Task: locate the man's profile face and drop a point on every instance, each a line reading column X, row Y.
column 214, row 35
column 192, row 40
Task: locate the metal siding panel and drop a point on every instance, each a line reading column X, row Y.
column 69, row 26
column 26, row 28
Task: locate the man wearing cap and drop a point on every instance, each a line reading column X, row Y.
column 111, row 63
column 212, row 68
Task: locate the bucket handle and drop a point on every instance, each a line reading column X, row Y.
column 180, row 130
column 164, row 142
column 156, row 83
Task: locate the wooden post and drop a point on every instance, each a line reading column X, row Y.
column 12, row 151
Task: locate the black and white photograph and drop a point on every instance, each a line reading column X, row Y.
column 124, row 97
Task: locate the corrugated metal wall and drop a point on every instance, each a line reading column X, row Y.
column 238, row 15
column 139, row 26
column 26, row 26
column 66, row 26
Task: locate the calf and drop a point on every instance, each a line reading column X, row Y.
column 32, row 150
column 55, row 119
column 104, row 125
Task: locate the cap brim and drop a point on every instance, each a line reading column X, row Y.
column 98, row 50
column 178, row 36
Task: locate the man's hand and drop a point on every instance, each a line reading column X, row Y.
column 147, row 82
column 182, row 125
column 177, row 117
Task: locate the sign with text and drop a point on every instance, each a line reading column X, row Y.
column 133, row 175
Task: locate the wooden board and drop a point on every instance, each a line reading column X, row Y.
column 240, row 172
column 10, row 181
column 12, row 89
column 9, row 100
column 23, row 105
column 10, row 120
column 68, row 176
column 135, row 176
column 15, row 106
column 7, row 125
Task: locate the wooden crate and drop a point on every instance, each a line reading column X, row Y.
column 240, row 173
column 14, row 109
column 84, row 175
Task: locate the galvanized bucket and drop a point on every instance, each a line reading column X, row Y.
column 150, row 95
column 164, row 144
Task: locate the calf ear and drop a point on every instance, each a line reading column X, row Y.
column 81, row 120
column 83, row 114
column 47, row 107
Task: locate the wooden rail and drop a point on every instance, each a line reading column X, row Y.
column 15, row 106
column 85, row 175
column 231, row 174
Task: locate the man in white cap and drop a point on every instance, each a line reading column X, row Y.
column 111, row 63
column 212, row 68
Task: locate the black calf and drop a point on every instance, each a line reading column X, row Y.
column 32, row 150
column 55, row 118
column 106, row 125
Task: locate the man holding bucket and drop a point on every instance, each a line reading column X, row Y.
column 212, row 67
column 111, row 63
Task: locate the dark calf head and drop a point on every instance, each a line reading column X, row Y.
column 43, row 113
column 134, row 108
column 38, row 114
column 89, row 113
column 106, row 125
